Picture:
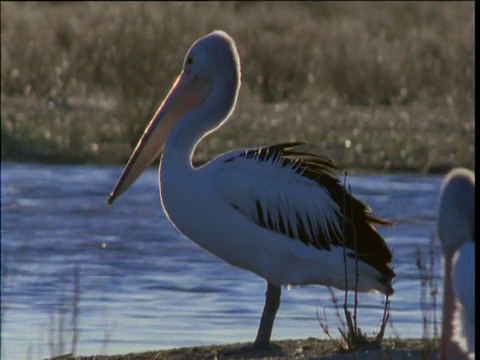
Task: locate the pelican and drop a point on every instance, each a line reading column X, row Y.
column 456, row 230
column 275, row 210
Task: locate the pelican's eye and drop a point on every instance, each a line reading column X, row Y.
column 189, row 63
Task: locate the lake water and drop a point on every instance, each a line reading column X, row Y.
column 143, row 286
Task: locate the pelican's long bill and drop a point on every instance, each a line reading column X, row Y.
column 188, row 92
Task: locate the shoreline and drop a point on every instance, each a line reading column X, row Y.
column 310, row 348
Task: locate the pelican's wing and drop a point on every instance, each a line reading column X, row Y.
column 464, row 280
column 295, row 193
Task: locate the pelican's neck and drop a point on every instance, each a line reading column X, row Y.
column 198, row 123
column 176, row 172
column 181, row 144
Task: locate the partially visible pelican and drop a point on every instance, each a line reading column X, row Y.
column 456, row 230
column 273, row 210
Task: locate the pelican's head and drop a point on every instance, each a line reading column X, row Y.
column 456, row 215
column 210, row 79
column 214, row 56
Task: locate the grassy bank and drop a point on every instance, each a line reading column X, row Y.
column 376, row 86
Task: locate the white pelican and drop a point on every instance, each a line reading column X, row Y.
column 456, row 230
column 274, row 210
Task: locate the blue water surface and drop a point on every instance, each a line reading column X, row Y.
column 141, row 285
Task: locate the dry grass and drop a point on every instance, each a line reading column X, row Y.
column 80, row 81
column 428, row 300
column 59, row 326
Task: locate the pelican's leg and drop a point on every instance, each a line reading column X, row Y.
column 272, row 303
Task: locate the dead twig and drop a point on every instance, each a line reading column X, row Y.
column 353, row 339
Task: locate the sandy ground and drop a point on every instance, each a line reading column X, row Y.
column 310, row 348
